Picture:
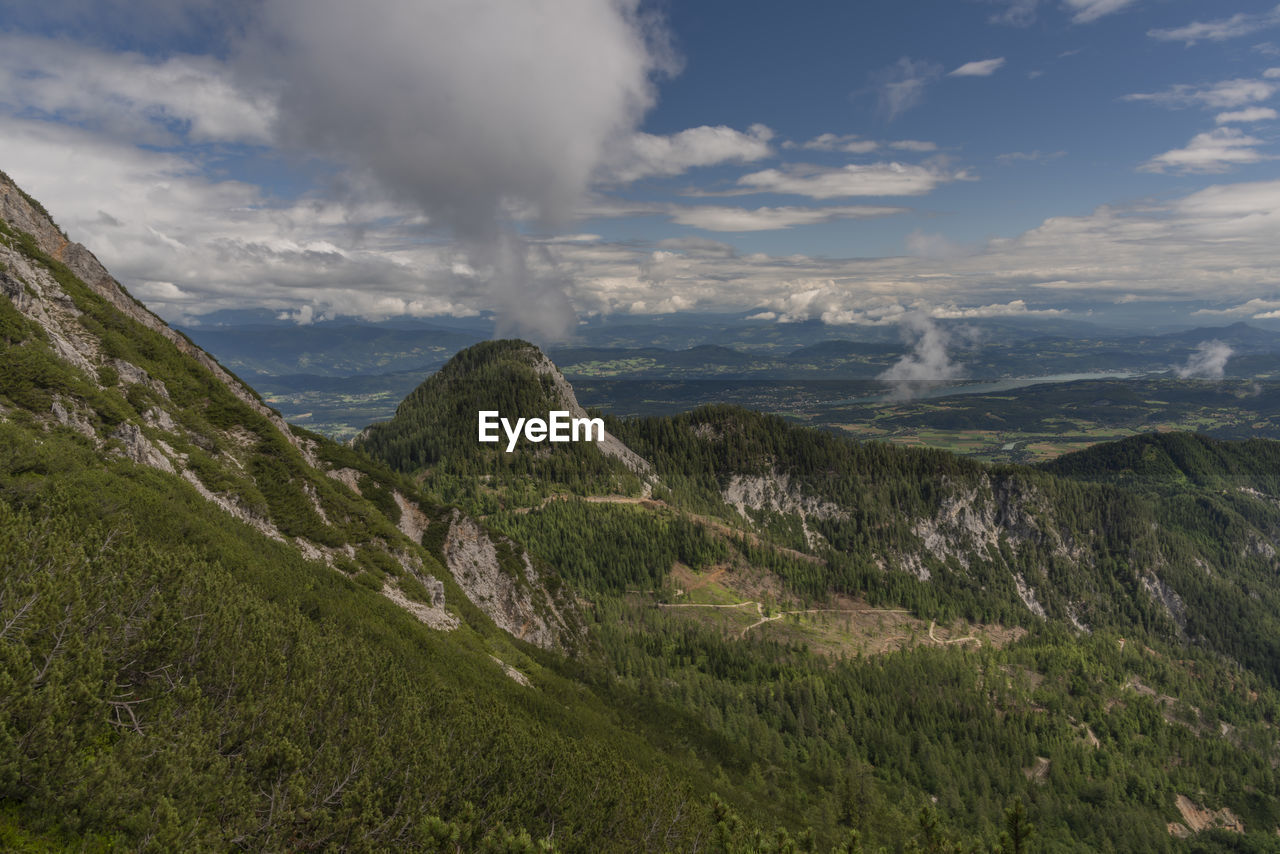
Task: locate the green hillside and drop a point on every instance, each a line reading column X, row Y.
column 215, row 633
column 1168, row 463
column 712, row 632
column 1090, row 599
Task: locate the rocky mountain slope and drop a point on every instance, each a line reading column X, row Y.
column 711, row 632
column 218, row 631
column 753, row 529
column 237, row 453
column 1077, row 543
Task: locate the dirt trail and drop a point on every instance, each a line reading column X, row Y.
column 781, row 614
column 938, row 640
column 778, row 616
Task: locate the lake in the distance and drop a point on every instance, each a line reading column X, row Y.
column 924, row 392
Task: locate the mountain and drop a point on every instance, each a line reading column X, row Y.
column 710, row 632
column 1240, row 335
column 1173, row 463
column 435, row 429
column 1027, row 569
column 331, row 349
column 218, row 631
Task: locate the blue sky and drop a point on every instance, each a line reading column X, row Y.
column 550, row 161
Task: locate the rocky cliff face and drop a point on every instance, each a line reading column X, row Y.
column 22, row 214
column 775, row 493
column 997, row 528
column 501, row 580
column 611, row 446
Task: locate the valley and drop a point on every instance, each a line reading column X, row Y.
column 639, row 427
column 1089, row 390
column 714, row 630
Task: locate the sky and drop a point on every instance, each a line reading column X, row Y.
column 550, row 161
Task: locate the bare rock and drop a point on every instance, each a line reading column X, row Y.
column 234, row 507
column 71, row 417
column 413, row 522
column 138, row 447
column 160, row 419
column 1027, row 594
column 516, row 602
column 1168, row 599
column 434, row 615
column 20, row 213
column 610, row 446
column 1196, row 818
column 512, row 673
column 775, row 492
column 350, row 478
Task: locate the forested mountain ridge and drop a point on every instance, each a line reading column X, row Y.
column 1163, row 533
column 1072, row 558
column 219, row 632
column 1170, row 462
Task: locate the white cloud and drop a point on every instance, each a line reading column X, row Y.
column 848, row 143
column 190, row 242
column 732, row 218
column 928, row 362
column 1085, row 11
column 1215, row 151
column 854, row 144
column 1036, row 156
column 1013, row 308
column 913, row 145
column 874, row 179
column 131, row 96
column 1220, row 241
column 714, row 218
column 190, row 245
column 978, row 68
column 1252, row 114
column 1256, row 308
column 829, row 302
column 901, row 86
column 1208, row 361
column 936, row 246
column 1222, row 95
column 304, row 316
column 647, row 154
column 468, row 114
column 1016, row 13
column 1240, row 24
column 466, row 110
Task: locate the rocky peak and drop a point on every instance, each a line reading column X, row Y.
column 435, row 425
column 611, row 445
